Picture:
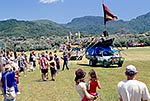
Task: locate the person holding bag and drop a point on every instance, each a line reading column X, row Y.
column 8, row 84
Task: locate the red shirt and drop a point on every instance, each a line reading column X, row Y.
column 43, row 63
column 93, row 86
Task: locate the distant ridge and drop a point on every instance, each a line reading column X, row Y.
column 86, row 25
column 94, row 24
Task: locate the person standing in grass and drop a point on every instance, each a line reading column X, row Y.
column 93, row 83
column 81, row 85
column 44, row 67
column 8, row 80
column 53, row 70
column 50, row 56
column 56, row 59
column 21, row 63
column 132, row 89
column 65, row 58
column 34, row 60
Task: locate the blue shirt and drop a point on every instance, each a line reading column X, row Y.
column 10, row 77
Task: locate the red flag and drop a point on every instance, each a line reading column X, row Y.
column 107, row 14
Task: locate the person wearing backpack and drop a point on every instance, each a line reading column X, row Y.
column 44, row 67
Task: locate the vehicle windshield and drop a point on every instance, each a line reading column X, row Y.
column 107, row 53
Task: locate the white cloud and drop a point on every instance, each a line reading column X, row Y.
column 50, row 1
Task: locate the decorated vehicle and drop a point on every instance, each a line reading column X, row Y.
column 104, row 54
column 76, row 53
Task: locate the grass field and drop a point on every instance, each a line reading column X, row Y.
column 32, row 88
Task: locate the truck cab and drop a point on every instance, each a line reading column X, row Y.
column 104, row 55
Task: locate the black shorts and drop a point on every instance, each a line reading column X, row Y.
column 34, row 64
column 58, row 66
column 53, row 71
column 44, row 71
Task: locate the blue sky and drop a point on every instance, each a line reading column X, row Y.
column 63, row 11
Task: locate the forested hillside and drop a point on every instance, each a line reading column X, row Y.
column 46, row 34
column 37, row 28
column 86, row 25
column 94, row 25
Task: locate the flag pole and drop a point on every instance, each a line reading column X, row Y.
column 107, row 16
column 105, row 27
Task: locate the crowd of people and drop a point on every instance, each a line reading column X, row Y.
column 13, row 63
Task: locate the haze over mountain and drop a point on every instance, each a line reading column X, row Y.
column 86, row 24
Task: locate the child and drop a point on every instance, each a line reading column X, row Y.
column 53, row 70
column 57, row 61
column 93, row 83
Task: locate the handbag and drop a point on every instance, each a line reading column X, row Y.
column 10, row 91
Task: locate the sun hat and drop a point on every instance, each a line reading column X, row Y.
column 130, row 69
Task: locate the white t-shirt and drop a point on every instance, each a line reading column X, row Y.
column 80, row 88
column 132, row 90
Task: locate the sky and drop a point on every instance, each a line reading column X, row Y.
column 63, row 11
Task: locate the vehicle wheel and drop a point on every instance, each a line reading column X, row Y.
column 80, row 58
column 119, row 64
column 92, row 63
column 105, row 64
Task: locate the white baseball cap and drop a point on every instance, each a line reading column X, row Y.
column 131, row 68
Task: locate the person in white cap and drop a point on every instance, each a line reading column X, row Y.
column 132, row 89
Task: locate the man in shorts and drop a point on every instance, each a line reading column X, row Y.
column 44, row 67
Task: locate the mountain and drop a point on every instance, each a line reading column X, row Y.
column 86, row 24
column 13, row 27
column 94, row 24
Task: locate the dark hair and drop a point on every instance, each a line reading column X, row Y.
column 55, row 55
column 80, row 74
column 52, row 64
column 131, row 73
column 92, row 74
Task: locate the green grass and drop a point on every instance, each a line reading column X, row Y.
column 32, row 88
